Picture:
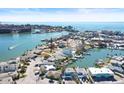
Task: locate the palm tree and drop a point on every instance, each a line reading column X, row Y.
column 52, row 46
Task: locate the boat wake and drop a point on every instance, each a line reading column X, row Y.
column 14, row 46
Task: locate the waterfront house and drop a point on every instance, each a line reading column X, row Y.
column 117, row 60
column 118, row 41
column 8, row 67
column 28, row 56
column 97, row 39
column 81, row 73
column 101, row 74
column 61, row 45
column 67, row 52
column 117, row 69
column 117, row 63
column 68, row 74
column 48, row 65
column 118, row 46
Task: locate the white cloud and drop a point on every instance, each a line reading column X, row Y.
column 36, row 15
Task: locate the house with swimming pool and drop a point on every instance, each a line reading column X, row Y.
column 10, row 66
column 68, row 74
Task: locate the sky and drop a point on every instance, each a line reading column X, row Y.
column 62, row 14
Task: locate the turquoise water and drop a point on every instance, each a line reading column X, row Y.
column 28, row 41
column 22, row 42
column 82, row 26
column 95, row 54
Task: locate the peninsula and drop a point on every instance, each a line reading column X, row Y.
column 13, row 28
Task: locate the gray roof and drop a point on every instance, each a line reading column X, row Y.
column 81, row 70
column 69, row 70
column 45, row 62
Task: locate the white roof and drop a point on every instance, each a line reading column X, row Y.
column 95, row 71
column 119, row 58
column 81, row 70
column 51, row 58
column 69, row 70
column 48, row 67
column 116, row 61
column 119, row 41
column 95, row 38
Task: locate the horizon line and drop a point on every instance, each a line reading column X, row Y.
column 57, row 21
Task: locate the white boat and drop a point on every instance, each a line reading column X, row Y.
column 78, row 56
column 12, row 47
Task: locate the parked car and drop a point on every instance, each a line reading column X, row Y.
column 37, row 65
column 37, row 73
column 51, row 81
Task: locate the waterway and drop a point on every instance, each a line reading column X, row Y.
column 22, row 42
column 25, row 42
column 96, row 54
